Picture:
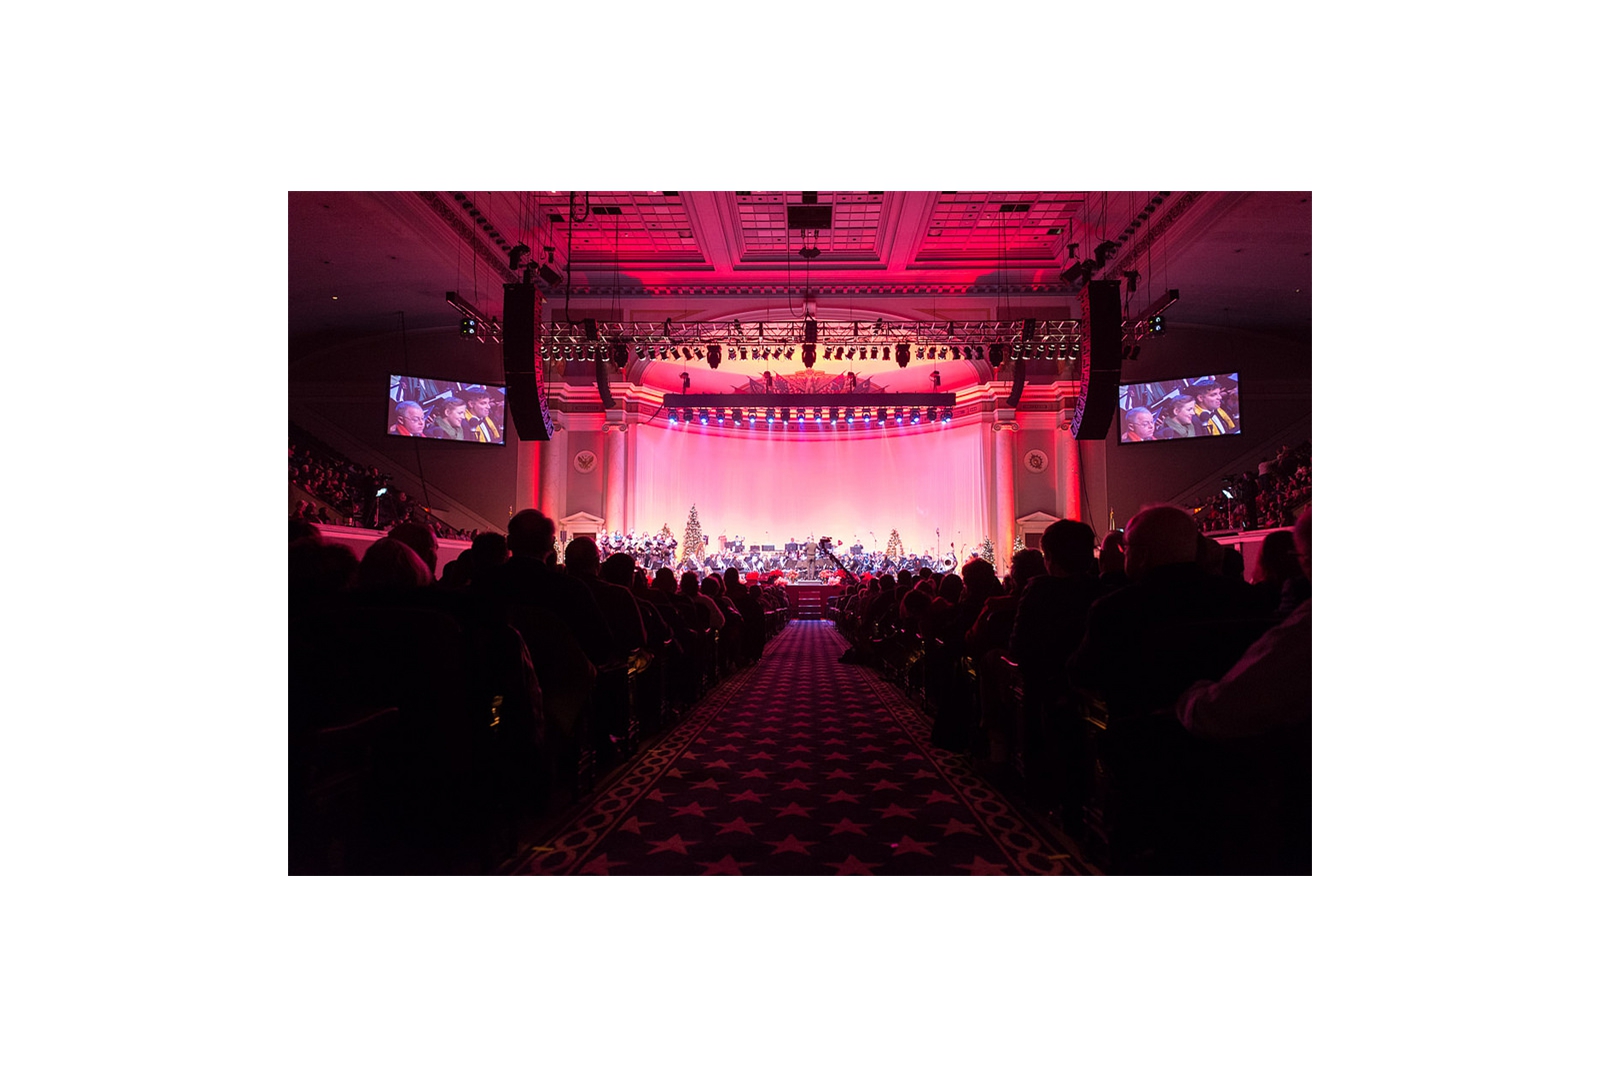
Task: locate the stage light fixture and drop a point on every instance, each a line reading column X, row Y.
column 469, row 327
column 833, row 414
column 899, row 415
column 997, row 355
column 714, row 356
column 902, row 354
column 769, row 416
column 916, row 416
column 1158, row 324
column 808, row 354
column 883, row 416
column 619, row 354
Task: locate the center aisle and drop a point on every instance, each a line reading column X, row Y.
column 799, row 765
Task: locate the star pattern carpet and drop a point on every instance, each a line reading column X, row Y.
column 799, row 765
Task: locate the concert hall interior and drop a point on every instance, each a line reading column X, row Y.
column 894, row 444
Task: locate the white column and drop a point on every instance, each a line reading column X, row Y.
column 1005, row 495
column 616, row 477
column 553, row 475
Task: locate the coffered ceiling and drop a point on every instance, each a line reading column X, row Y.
column 1239, row 259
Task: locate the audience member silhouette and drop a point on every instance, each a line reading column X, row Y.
column 1113, row 574
column 616, row 603
column 1143, row 646
column 422, row 541
column 992, row 629
column 1258, row 789
column 530, row 578
column 1280, row 581
column 390, row 564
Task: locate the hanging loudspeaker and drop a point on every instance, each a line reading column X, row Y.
column 1100, row 362
column 524, row 377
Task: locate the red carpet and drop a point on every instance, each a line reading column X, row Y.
column 799, row 765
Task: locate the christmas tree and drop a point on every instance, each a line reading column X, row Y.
column 694, row 543
column 894, row 549
column 1018, row 545
column 986, row 550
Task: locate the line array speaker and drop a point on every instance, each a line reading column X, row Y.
column 1099, row 361
column 524, row 378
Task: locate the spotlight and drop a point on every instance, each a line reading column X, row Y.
column 902, row 354
column 619, row 354
column 900, row 415
column 808, row 354
column 1158, row 324
column 469, row 327
column 997, row 355
column 883, row 416
column 769, row 416
column 946, row 416
column 713, row 356
column 833, row 414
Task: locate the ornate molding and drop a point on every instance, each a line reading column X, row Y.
column 491, row 257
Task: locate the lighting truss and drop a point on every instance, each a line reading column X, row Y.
column 802, row 413
column 841, row 340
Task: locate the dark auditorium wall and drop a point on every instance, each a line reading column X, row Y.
column 339, row 392
column 1275, row 407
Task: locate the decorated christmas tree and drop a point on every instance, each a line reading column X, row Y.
column 986, row 550
column 694, row 542
column 1018, row 545
column 894, row 549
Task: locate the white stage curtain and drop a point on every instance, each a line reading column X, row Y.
column 823, row 484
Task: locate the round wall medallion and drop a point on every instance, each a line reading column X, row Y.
column 584, row 461
column 1036, row 461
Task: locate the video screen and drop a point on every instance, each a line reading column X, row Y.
column 470, row 412
column 1207, row 406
